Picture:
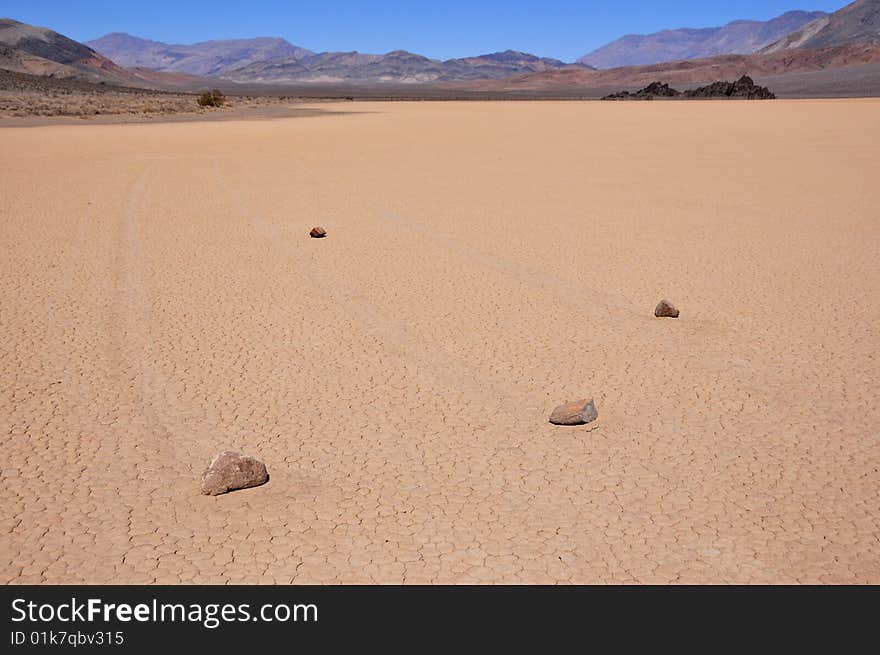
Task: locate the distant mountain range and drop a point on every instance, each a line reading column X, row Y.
column 206, row 59
column 742, row 37
column 858, row 22
column 850, row 37
column 809, row 42
column 274, row 60
column 398, row 66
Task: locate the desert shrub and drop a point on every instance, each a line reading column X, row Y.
column 214, row 98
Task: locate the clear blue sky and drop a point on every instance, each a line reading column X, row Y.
column 565, row 29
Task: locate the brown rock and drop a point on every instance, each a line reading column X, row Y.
column 666, row 309
column 579, row 412
column 318, row 233
column 230, row 471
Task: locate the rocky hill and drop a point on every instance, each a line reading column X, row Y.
column 741, row 37
column 207, row 58
column 857, row 23
column 40, row 51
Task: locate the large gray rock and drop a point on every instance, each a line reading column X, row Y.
column 229, row 471
column 579, row 412
column 666, row 309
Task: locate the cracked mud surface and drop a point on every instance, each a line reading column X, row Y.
column 161, row 301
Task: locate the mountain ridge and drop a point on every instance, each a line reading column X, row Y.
column 44, row 52
column 399, row 66
column 41, row 51
column 275, row 60
column 857, row 22
column 206, row 58
column 696, row 71
column 737, row 37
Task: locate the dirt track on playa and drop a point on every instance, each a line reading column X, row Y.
column 160, row 301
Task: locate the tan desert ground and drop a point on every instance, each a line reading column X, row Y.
column 485, row 262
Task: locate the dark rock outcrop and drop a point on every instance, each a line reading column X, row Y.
column 318, row 233
column 653, row 90
column 744, row 88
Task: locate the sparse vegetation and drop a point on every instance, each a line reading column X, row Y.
column 213, row 98
column 31, row 95
column 23, row 95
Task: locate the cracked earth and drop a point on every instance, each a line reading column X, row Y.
column 161, row 301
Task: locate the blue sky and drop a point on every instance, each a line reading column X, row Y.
column 565, row 29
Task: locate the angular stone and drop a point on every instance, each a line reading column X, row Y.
column 579, row 412
column 229, row 471
column 666, row 309
column 318, row 233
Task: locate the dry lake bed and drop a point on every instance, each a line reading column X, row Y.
column 161, row 301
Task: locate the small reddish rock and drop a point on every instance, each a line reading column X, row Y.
column 579, row 412
column 318, row 233
column 666, row 309
column 230, row 471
